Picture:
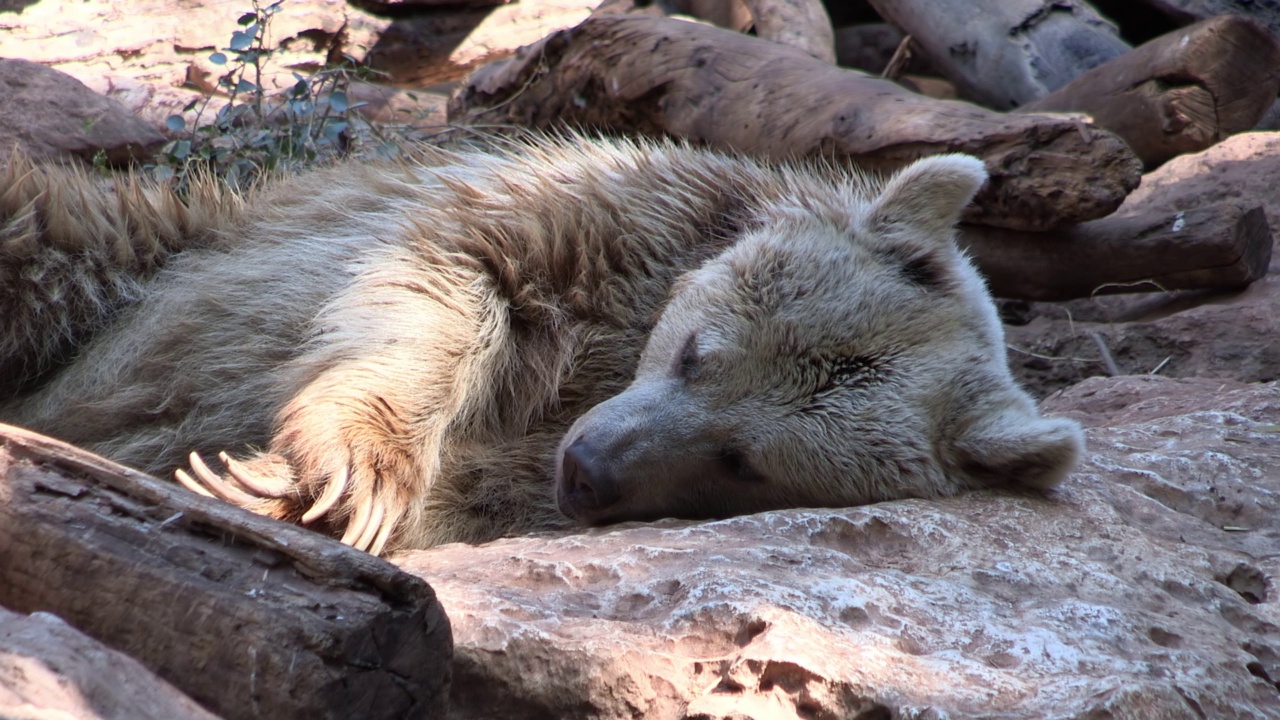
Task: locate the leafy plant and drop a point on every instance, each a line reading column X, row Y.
column 253, row 133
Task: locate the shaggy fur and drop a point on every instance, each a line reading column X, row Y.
column 488, row 342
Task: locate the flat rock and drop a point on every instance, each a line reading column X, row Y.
column 50, row 114
column 1143, row 587
column 1185, row 334
column 51, row 671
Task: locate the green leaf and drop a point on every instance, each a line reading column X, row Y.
column 244, row 86
column 338, row 101
column 242, row 39
column 182, row 149
column 175, row 123
column 246, row 19
column 218, row 59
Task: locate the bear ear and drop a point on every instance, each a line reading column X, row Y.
column 1016, row 445
column 927, row 196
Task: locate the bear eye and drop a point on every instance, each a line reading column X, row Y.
column 687, row 361
column 739, row 467
column 851, row 372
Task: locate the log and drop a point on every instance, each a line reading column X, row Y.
column 799, row 23
column 48, row 665
column 1216, row 246
column 1181, row 92
column 1005, row 53
column 654, row 75
column 250, row 617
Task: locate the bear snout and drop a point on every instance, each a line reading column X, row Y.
column 587, row 488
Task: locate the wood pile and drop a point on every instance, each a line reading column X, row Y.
column 1066, row 114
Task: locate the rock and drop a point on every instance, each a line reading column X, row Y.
column 50, row 671
column 50, row 114
column 441, row 47
column 1188, row 334
column 143, row 52
column 1143, row 587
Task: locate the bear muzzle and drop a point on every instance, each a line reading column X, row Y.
column 587, row 488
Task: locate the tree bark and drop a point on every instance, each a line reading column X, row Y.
column 251, row 617
column 654, row 75
column 1181, row 92
column 1216, row 246
column 1004, row 53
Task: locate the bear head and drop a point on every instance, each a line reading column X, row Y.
column 842, row 351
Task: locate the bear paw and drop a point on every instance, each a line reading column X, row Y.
column 267, row 486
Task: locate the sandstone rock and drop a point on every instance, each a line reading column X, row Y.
column 152, row 56
column 142, row 52
column 1144, row 587
column 1215, row 334
column 50, row 114
column 50, row 671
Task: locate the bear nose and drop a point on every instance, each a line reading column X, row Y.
column 586, row 483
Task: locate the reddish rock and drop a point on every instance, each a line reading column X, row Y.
column 49, row 114
column 1143, row 587
column 50, row 671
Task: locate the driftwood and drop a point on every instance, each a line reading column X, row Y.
column 1181, row 92
column 1004, row 53
column 1216, row 246
column 653, row 75
column 251, row 617
column 799, row 23
column 49, row 667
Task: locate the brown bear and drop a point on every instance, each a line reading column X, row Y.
column 488, row 341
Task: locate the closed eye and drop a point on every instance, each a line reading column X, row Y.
column 739, row 466
column 853, row 371
column 687, row 362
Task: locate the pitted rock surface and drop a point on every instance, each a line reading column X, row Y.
column 1143, row 587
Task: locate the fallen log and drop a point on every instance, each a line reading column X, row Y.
column 1216, row 246
column 250, row 617
column 654, row 75
column 50, row 667
column 1005, row 53
column 1181, row 92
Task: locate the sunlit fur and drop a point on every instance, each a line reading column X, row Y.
column 434, row 329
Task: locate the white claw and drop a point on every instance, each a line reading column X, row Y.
column 190, row 483
column 246, row 477
column 359, row 521
column 332, row 493
column 216, row 484
column 384, row 533
column 375, row 526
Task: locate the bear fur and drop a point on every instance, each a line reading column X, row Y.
column 482, row 342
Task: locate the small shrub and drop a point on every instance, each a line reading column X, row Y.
column 253, row 133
